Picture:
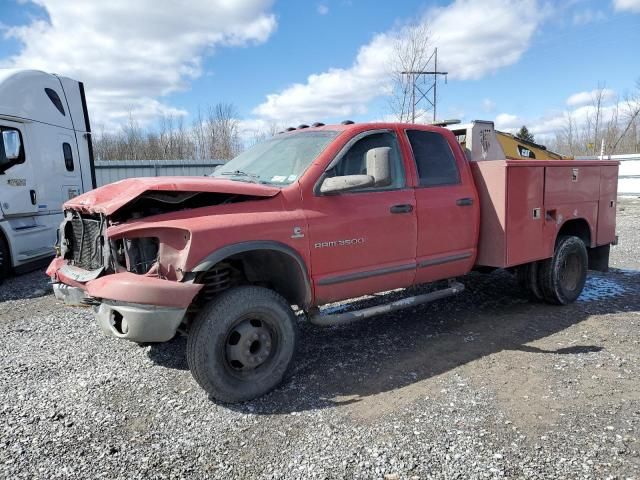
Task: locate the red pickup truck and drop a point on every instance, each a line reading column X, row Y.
column 313, row 216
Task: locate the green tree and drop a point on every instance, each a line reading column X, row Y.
column 525, row 135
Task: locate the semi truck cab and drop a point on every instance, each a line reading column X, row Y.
column 46, row 158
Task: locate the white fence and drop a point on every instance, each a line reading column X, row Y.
column 109, row 171
column 629, row 173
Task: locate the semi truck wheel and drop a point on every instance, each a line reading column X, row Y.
column 563, row 276
column 242, row 343
column 5, row 260
column 528, row 280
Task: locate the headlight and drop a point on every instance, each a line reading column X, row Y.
column 158, row 251
column 137, row 254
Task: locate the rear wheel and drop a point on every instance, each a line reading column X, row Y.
column 562, row 277
column 528, row 279
column 242, row 343
column 5, row 260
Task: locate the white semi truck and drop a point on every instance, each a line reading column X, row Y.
column 46, row 157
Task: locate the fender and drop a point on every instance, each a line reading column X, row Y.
column 242, row 247
column 568, row 223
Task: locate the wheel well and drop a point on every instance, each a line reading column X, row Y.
column 576, row 228
column 3, row 239
column 273, row 269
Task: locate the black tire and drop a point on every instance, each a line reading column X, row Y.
column 528, row 280
column 5, row 260
column 563, row 276
column 242, row 343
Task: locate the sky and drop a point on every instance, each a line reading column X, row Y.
column 293, row 61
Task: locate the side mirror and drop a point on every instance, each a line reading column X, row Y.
column 379, row 166
column 12, row 144
column 10, row 149
column 346, row 183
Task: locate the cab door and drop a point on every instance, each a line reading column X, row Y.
column 362, row 241
column 69, row 167
column 18, row 191
column 58, row 176
column 446, row 204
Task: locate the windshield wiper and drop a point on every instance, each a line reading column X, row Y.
column 240, row 173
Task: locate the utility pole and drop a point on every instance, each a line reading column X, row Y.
column 423, row 94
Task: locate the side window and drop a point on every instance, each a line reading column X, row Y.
column 55, row 99
column 68, row 156
column 354, row 161
column 434, row 158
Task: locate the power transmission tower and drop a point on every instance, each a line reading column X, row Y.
column 419, row 93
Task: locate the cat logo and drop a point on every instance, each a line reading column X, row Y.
column 525, row 152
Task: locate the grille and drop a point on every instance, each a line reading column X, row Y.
column 87, row 243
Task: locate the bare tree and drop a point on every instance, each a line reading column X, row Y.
column 214, row 137
column 596, row 101
column 615, row 126
column 263, row 134
column 631, row 117
column 223, row 128
column 412, row 51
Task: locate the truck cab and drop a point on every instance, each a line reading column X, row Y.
column 45, row 159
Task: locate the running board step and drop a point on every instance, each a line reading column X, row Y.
column 327, row 320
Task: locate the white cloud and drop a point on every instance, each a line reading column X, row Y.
column 323, row 9
column 474, row 37
column 488, row 105
column 544, row 127
column 586, row 16
column 336, row 93
column 628, row 5
column 132, row 53
column 580, row 113
column 508, row 122
column 587, row 98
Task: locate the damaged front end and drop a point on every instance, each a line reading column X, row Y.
column 81, row 242
column 89, row 249
column 135, row 295
column 123, row 249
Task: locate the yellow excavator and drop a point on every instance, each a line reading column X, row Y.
column 482, row 141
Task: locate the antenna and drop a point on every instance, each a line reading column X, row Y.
column 419, row 95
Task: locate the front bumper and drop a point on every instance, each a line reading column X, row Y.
column 135, row 307
column 139, row 323
column 135, row 322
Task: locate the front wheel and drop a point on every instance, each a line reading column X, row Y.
column 562, row 277
column 242, row 343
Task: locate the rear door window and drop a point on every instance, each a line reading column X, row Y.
column 434, row 159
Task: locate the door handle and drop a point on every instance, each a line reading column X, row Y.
column 464, row 202
column 406, row 208
column 34, row 198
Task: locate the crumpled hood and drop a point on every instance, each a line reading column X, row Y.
column 110, row 198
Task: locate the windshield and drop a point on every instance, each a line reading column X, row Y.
column 278, row 161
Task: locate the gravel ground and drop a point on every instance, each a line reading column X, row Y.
column 484, row 385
